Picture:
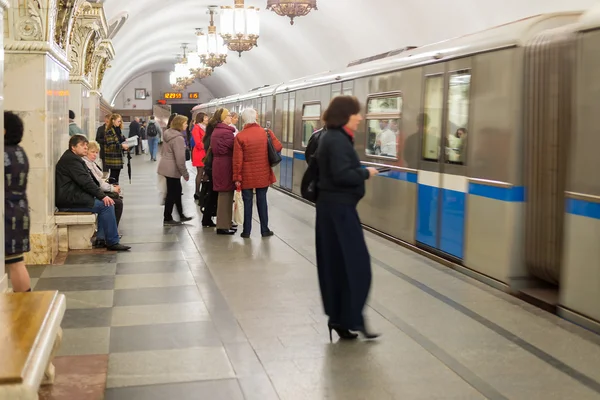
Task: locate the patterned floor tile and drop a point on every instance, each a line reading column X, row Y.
column 77, row 377
column 223, row 389
column 77, row 284
column 147, row 296
column 102, row 258
column 159, row 314
column 85, row 341
column 168, row 366
column 89, row 299
column 79, row 270
column 87, row 318
column 163, row 337
column 155, row 267
column 154, row 280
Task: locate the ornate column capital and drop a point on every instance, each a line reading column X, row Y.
column 4, row 4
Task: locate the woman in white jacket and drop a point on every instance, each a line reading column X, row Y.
column 114, row 191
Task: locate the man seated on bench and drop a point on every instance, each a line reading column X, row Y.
column 77, row 191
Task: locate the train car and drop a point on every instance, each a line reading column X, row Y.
column 463, row 125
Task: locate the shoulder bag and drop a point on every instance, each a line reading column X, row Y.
column 274, row 156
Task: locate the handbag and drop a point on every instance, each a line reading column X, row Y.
column 274, row 156
column 238, row 208
column 188, row 154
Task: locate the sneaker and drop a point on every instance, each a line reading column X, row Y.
column 118, row 247
column 171, row 223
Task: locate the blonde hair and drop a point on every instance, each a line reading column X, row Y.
column 178, row 122
column 93, row 146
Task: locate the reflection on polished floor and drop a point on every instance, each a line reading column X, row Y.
column 188, row 314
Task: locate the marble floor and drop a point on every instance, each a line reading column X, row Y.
column 188, row 314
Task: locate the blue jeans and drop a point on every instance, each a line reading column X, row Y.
column 107, row 222
column 153, row 146
column 261, row 204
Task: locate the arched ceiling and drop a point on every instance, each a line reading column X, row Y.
column 340, row 31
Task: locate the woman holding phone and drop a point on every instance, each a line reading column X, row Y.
column 343, row 260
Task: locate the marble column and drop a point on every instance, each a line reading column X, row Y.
column 79, row 93
column 36, row 86
column 95, row 113
column 3, row 276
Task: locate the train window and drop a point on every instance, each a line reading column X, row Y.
column 433, row 117
column 384, row 115
column 264, row 112
column 347, row 88
column 311, row 114
column 458, row 117
column 292, row 112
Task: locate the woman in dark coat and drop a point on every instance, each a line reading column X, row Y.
column 16, row 208
column 221, row 144
column 343, row 260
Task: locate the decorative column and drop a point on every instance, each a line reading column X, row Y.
column 88, row 47
column 37, row 87
column 95, row 113
column 3, row 277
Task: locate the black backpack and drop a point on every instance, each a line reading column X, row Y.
column 310, row 180
column 152, row 131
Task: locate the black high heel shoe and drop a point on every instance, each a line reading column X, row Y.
column 343, row 333
column 368, row 335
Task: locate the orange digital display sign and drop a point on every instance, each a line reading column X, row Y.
column 193, row 95
column 173, row 95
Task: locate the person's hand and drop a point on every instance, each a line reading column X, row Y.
column 372, row 171
column 117, row 189
column 108, row 201
column 187, row 178
column 125, row 146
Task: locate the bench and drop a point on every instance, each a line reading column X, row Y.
column 75, row 230
column 30, row 335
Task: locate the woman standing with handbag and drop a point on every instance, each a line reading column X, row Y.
column 221, row 144
column 172, row 166
column 198, row 152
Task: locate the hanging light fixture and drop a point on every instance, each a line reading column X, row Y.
column 182, row 70
column 197, row 68
column 239, row 27
column 211, row 48
column 292, row 8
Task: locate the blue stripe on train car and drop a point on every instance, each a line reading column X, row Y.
column 452, row 232
column 299, row 156
column 513, row 194
column 427, row 215
column 583, row 208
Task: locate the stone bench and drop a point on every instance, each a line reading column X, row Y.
column 75, row 230
column 31, row 335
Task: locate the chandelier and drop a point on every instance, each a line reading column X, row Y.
column 239, row 27
column 211, row 48
column 197, row 68
column 180, row 78
column 292, row 8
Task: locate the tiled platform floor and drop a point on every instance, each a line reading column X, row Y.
column 190, row 315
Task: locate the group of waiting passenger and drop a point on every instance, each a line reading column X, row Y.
column 226, row 160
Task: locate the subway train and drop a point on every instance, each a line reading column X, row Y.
column 492, row 143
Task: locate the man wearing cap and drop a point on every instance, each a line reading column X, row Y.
column 73, row 128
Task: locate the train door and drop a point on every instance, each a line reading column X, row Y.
column 442, row 190
column 287, row 138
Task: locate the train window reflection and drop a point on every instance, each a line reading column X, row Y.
column 384, row 114
column 433, row 117
column 458, row 117
column 286, row 111
column 311, row 114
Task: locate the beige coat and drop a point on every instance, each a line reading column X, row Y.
column 172, row 161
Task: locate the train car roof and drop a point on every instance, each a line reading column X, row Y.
column 512, row 34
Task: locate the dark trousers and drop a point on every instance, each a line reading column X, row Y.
column 174, row 192
column 343, row 264
column 261, row 204
column 115, row 173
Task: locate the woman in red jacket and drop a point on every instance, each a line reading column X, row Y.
column 251, row 169
column 199, row 151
